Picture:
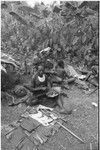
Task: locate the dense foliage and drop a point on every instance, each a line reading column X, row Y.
column 70, row 29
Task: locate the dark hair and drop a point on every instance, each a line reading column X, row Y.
column 40, row 68
column 61, row 63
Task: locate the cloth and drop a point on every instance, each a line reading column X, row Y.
column 41, row 79
column 38, row 81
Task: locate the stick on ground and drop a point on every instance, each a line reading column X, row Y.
column 70, row 132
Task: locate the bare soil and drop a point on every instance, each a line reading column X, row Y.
column 83, row 122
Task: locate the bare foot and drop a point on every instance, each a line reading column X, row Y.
column 64, row 111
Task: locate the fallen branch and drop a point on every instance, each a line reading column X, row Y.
column 93, row 83
column 93, row 91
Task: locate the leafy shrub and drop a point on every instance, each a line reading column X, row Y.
column 70, row 29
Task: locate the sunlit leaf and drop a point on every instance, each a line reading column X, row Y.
column 75, row 40
column 84, row 38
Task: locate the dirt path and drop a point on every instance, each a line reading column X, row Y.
column 83, row 122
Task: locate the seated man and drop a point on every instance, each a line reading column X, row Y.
column 59, row 76
column 60, row 70
column 39, row 84
column 40, row 80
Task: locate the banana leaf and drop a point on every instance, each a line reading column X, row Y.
column 18, row 17
column 7, row 59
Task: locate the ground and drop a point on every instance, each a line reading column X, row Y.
column 83, row 122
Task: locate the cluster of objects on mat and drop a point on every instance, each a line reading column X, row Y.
column 35, row 126
column 50, row 79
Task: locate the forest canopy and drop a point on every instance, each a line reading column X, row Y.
column 70, row 29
